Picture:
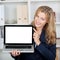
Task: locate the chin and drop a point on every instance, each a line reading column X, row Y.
column 38, row 26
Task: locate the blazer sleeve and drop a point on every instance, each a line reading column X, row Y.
column 50, row 53
column 16, row 57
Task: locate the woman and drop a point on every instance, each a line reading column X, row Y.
column 44, row 37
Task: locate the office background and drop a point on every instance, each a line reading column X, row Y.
column 22, row 12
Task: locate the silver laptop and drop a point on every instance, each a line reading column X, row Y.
column 18, row 37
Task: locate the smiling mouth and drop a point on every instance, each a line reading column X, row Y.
column 38, row 23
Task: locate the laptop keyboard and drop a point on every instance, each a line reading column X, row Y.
column 18, row 47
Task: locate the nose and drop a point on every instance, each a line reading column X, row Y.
column 38, row 19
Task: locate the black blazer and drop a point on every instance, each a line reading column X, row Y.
column 42, row 52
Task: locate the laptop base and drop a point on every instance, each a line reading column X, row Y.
column 23, row 50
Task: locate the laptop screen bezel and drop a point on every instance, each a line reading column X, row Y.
column 17, row 43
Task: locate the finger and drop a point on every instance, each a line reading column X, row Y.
column 34, row 29
column 17, row 53
column 34, row 34
column 14, row 52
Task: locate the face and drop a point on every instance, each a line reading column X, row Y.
column 40, row 20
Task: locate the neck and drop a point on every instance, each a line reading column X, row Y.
column 39, row 29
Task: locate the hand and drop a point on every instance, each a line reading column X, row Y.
column 15, row 52
column 36, row 37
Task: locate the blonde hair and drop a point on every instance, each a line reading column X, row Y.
column 50, row 33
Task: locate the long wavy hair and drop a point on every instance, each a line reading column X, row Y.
column 50, row 30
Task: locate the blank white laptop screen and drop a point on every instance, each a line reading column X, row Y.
column 18, row 34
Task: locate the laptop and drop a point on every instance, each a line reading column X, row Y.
column 18, row 37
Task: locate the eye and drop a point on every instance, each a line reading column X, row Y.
column 42, row 19
column 37, row 16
